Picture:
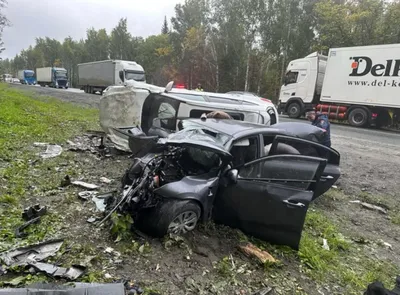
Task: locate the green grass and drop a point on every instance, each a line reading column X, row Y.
column 25, row 119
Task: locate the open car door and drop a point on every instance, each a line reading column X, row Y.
column 270, row 198
column 313, row 149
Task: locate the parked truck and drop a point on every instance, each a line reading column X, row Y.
column 52, row 77
column 360, row 85
column 27, row 77
column 97, row 76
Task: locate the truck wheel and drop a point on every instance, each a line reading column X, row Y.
column 177, row 217
column 358, row 117
column 294, row 110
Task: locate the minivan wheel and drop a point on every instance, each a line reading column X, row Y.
column 294, row 110
column 175, row 217
column 358, row 117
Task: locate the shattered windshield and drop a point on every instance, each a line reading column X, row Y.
column 198, row 132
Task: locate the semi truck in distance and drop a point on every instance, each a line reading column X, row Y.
column 97, row 76
column 360, row 85
column 52, row 77
column 27, row 77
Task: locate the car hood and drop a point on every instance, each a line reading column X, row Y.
column 197, row 143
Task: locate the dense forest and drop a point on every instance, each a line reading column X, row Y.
column 226, row 44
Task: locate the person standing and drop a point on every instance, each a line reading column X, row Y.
column 321, row 121
column 199, row 87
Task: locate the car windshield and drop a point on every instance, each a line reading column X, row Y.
column 198, row 132
column 135, row 75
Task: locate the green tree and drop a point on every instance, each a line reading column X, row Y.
column 97, row 44
column 120, row 41
column 164, row 28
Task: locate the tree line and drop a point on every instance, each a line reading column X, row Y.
column 226, row 44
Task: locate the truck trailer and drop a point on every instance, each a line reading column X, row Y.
column 52, row 77
column 98, row 75
column 360, row 85
column 27, row 77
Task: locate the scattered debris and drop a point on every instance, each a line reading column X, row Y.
column 105, row 180
column 25, row 255
column 66, row 181
column 134, row 289
column 252, row 251
column 19, row 232
column 264, row 291
column 76, row 289
column 87, row 195
column 71, row 273
column 370, row 206
column 387, row 245
column 88, row 186
column 111, row 251
column 52, row 150
column 325, row 244
column 108, row 276
column 92, row 220
column 377, row 288
column 34, row 211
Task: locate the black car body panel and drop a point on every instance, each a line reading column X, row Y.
column 271, row 194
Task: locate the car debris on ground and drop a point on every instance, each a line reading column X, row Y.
column 377, row 288
column 52, row 150
column 75, row 289
column 262, row 256
column 85, row 185
column 370, row 206
column 34, row 211
column 19, row 232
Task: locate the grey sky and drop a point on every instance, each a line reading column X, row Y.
column 61, row 18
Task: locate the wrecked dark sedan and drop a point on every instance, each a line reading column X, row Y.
column 248, row 176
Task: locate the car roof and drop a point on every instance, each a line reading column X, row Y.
column 235, row 128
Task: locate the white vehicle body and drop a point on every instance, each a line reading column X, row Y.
column 98, row 75
column 358, row 84
column 7, row 78
column 139, row 104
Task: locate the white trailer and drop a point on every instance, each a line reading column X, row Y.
column 98, row 75
column 360, row 85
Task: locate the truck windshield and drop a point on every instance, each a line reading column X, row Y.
column 29, row 74
column 61, row 74
column 135, row 75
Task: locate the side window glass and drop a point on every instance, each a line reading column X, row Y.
column 244, row 151
column 289, row 171
column 291, row 77
column 167, row 116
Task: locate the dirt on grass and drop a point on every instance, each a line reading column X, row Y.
column 363, row 243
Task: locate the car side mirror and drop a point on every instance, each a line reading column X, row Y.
column 121, row 76
column 232, row 175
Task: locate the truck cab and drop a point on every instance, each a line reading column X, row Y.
column 60, row 78
column 129, row 70
column 302, row 84
column 27, row 77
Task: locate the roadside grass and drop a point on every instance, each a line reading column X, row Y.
column 24, row 176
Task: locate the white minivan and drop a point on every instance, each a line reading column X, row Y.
column 159, row 110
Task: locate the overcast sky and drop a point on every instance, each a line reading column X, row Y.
column 61, row 18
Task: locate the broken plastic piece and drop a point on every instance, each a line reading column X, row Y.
column 52, row 151
column 34, row 211
column 252, row 251
column 370, row 206
column 25, row 255
column 87, row 195
column 75, row 289
column 325, row 244
column 92, row 220
column 105, row 180
column 88, row 186
column 19, row 232
column 71, row 273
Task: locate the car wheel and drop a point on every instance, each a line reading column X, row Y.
column 294, row 110
column 177, row 217
column 358, row 117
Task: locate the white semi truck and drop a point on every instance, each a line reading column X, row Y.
column 358, row 84
column 97, row 76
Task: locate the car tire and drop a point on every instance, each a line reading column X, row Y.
column 177, row 217
column 294, row 110
column 358, row 117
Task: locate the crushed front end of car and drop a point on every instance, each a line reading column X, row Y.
column 173, row 185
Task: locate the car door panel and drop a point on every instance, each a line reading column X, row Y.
column 270, row 206
column 308, row 148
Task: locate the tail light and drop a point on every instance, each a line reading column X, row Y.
column 374, row 115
